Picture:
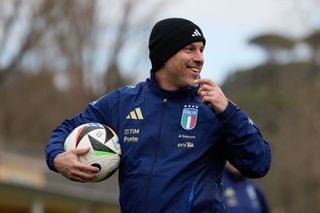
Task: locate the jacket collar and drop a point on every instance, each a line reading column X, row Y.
column 184, row 92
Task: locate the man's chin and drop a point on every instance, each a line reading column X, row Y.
column 193, row 84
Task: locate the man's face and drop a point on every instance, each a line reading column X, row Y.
column 183, row 68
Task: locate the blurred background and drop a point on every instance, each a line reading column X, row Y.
column 57, row 56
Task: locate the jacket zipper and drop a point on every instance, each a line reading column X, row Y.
column 190, row 199
column 157, row 145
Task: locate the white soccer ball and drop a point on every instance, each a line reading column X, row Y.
column 105, row 148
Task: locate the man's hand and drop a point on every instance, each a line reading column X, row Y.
column 68, row 165
column 211, row 93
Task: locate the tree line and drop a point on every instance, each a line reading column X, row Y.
column 56, row 56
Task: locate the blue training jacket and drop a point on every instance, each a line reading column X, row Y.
column 173, row 147
column 242, row 195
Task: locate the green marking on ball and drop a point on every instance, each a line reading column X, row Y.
column 102, row 153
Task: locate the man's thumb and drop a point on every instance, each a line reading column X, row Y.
column 82, row 151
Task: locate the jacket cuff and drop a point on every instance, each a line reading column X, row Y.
column 228, row 112
column 50, row 161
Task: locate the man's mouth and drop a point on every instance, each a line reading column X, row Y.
column 196, row 70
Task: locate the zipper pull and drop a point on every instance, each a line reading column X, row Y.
column 165, row 100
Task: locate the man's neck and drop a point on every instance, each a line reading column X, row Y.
column 164, row 82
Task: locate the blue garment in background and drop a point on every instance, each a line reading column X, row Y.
column 242, row 195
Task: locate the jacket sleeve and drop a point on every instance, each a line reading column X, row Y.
column 244, row 145
column 100, row 111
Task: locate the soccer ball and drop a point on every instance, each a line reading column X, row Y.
column 105, row 148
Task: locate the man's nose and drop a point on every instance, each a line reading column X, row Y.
column 198, row 57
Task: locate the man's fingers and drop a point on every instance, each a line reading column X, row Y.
column 68, row 165
column 81, row 151
column 205, row 81
column 204, row 88
column 78, row 165
column 211, row 93
column 80, row 178
column 207, row 86
column 83, row 175
column 80, row 174
column 87, row 168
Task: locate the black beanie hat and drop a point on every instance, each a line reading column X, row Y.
column 170, row 35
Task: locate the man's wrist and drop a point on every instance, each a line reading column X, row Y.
column 228, row 112
column 53, row 156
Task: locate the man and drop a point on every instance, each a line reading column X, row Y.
column 184, row 128
column 241, row 194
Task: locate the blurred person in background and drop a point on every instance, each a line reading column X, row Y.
column 175, row 131
column 241, row 194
